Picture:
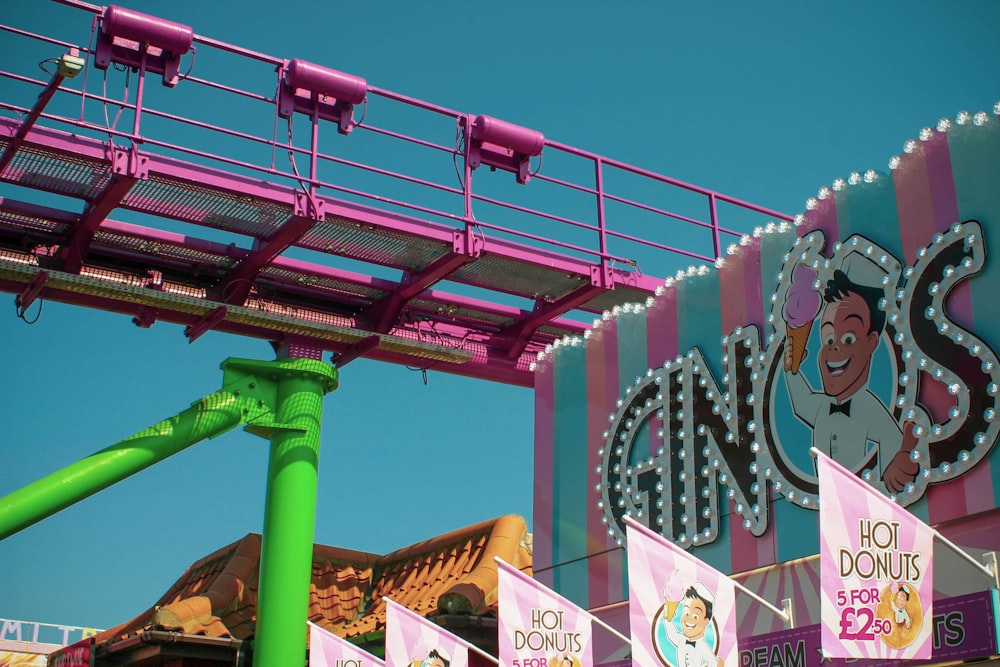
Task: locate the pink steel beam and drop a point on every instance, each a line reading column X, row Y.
column 155, row 238
column 36, row 210
column 128, row 169
column 31, row 291
column 179, row 171
column 158, row 242
column 245, row 187
column 206, row 324
column 521, row 332
column 237, row 284
column 485, row 364
column 384, row 314
column 352, row 352
column 22, row 131
column 191, row 275
column 268, row 192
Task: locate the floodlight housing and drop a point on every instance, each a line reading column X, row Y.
column 307, row 88
column 502, row 145
column 127, row 35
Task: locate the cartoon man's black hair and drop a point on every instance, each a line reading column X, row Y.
column 838, row 289
column 434, row 654
column 692, row 593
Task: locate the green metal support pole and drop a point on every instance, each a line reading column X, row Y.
column 290, row 506
column 280, row 400
column 207, row 418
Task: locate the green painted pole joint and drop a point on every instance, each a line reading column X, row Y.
column 262, row 379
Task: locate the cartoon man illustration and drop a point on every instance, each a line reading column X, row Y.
column 899, row 606
column 565, row 660
column 696, row 614
column 435, row 657
column 899, row 602
column 849, row 423
column 438, row 657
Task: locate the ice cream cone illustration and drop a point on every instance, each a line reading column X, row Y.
column 419, row 651
column 801, row 308
column 798, row 338
column 673, row 593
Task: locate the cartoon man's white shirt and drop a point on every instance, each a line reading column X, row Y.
column 902, row 616
column 848, row 436
column 690, row 653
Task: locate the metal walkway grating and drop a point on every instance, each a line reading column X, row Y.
column 177, row 252
column 511, row 276
column 202, row 205
column 27, row 222
column 374, row 244
column 381, row 262
column 58, row 172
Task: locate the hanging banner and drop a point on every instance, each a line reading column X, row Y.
column 876, row 565
column 413, row 641
column 329, row 650
column 964, row 631
column 682, row 611
column 537, row 626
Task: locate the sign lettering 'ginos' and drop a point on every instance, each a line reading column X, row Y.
column 879, row 333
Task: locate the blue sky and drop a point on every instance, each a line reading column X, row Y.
column 766, row 102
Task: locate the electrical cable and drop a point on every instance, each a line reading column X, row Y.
column 274, row 129
column 422, row 369
column 535, row 172
column 86, row 68
column 107, row 121
column 22, row 311
column 291, row 158
column 459, row 148
column 20, row 119
column 364, row 112
column 41, row 65
column 194, row 53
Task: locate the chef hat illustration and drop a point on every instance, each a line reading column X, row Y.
column 860, row 268
column 704, row 593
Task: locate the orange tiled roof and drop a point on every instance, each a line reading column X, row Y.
column 452, row 574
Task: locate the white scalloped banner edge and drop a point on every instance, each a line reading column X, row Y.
column 979, row 119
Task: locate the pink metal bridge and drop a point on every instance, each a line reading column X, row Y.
column 317, row 211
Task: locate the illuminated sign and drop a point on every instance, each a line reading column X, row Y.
column 854, row 340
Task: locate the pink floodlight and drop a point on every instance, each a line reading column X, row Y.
column 502, row 145
column 307, row 88
column 127, row 35
column 516, row 138
column 346, row 87
column 143, row 28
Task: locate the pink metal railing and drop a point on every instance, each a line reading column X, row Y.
column 603, row 225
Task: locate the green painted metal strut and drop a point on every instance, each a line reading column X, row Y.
column 290, row 509
column 208, row 417
column 280, row 400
